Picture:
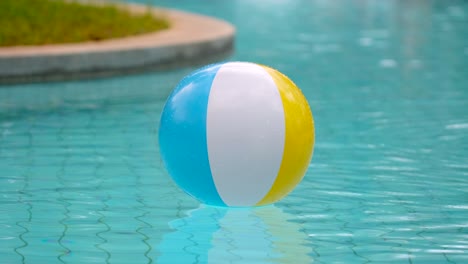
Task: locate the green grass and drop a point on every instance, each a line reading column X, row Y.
column 39, row 22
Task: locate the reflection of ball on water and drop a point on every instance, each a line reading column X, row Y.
column 236, row 134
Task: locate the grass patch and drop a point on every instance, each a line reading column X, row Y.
column 39, row 22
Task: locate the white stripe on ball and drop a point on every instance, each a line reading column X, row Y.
column 245, row 133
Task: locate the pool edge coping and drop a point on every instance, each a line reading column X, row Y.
column 191, row 39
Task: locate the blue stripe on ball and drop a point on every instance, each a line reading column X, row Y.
column 182, row 135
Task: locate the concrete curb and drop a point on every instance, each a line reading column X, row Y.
column 192, row 39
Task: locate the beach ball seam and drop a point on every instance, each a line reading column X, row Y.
column 233, row 113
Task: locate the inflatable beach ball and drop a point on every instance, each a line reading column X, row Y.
column 236, row 134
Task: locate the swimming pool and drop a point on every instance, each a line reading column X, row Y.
column 81, row 180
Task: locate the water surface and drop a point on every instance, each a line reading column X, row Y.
column 81, row 180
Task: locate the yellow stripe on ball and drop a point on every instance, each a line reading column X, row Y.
column 299, row 138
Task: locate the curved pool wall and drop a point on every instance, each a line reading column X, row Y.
column 81, row 179
column 191, row 40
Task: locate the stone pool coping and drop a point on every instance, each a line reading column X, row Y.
column 191, row 39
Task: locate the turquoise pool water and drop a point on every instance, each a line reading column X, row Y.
column 81, row 180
